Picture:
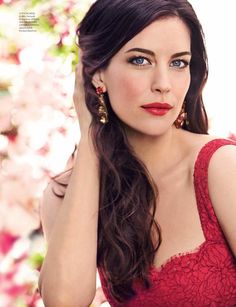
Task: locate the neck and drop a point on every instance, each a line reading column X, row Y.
column 158, row 153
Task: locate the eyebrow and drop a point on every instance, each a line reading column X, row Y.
column 153, row 54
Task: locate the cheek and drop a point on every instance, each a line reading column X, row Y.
column 182, row 85
column 125, row 87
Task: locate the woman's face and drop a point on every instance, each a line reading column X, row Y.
column 153, row 67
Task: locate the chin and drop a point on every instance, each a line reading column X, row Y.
column 148, row 130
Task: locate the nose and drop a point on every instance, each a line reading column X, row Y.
column 161, row 80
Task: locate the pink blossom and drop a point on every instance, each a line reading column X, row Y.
column 6, row 241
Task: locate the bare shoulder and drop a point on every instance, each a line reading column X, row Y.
column 194, row 143
column 51, row 200
column 222, row 184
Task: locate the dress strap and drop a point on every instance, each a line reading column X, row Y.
column 210, row 225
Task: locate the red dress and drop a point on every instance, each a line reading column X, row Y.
column 205, row 276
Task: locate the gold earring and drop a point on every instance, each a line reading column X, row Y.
column 102, row 109
column 181, row 118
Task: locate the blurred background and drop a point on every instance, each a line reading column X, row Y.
column 38, row 128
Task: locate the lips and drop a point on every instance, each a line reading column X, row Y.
column 158, row 105
column 157, row 108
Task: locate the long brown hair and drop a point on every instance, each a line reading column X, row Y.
column 127, row 203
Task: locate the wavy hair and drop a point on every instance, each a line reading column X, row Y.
column 128, row 236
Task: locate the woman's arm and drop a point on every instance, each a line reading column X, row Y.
column 49, row 207
column 68, row 274
column 222, row 189
column 50, row 203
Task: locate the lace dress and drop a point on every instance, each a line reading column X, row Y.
column 205, row 276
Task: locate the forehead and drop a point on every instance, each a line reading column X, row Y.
column 165, row 34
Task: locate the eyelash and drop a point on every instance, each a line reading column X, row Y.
column 186, row 63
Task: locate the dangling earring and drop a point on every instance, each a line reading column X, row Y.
column 102, row 109
column 181, row 118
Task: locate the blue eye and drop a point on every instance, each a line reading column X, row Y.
column 139, row 61
column 179, row 63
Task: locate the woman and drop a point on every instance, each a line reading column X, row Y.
column 150, row 200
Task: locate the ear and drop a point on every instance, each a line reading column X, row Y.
column 97, row 81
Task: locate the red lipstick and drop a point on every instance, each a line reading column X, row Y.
column 157, row 108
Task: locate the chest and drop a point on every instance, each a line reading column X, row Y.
column 178, row 217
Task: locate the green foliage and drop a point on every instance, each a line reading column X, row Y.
column 33, row 3
column 59, row 20
column 36, row 260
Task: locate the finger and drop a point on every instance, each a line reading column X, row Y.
column 80, row 53
column 78, row 75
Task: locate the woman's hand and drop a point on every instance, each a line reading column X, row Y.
column 83, row 114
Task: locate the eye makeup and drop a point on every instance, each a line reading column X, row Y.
column 140, row 60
